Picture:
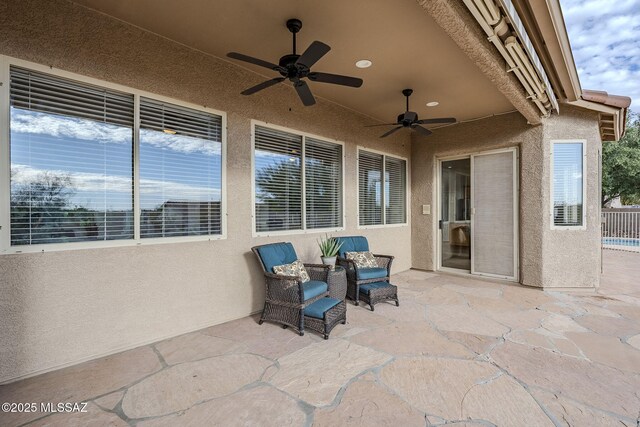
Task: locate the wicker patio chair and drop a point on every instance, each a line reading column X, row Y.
column 287, row 296
column 370, row 285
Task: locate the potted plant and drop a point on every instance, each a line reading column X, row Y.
column 329, row 248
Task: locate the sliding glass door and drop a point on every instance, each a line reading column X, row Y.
column 478, row 214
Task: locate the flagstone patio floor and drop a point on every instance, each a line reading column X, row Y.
column 458, row 351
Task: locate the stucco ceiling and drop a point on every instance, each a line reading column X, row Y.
column 406, row 46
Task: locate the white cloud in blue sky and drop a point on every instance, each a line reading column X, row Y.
column 605, row 39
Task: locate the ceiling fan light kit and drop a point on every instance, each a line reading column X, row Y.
column 296, row 67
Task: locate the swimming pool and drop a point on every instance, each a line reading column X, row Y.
column 619, row 241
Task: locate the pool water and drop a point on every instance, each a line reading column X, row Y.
column 619, row 241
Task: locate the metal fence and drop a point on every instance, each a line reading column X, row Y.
column 621, row 229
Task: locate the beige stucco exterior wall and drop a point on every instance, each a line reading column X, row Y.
column 548, row 258
column 60, row 308
column 571, row 258
column 509, row 130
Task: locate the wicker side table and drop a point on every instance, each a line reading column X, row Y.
column 337, row 281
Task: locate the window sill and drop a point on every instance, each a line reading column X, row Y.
column 373, row 227
column 60, row 247
column 296, row 232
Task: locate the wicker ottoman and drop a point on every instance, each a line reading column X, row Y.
column 373, row 293
column 324, row 314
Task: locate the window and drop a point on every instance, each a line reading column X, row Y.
column 568, row 184
column 298, row 181
column 180, row 171
column 83, row 157
column 71, row 161
column 372, row 195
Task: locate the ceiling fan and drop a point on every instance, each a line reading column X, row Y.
column 297, row 67
column 409, row 119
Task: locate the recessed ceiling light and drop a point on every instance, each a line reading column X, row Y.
column 432, row 104
column 364, row 63
column 169, row 131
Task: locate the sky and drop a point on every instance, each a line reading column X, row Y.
column 605, row 40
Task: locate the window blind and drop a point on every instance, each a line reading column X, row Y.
column 323, row 184
column 567, row 184
column 34, row 91
column 71, row 160
column 370, row 188
column 278, row 180
column 395, row 190
column 180, row 171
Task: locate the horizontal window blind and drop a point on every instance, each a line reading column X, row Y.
column 568, row 184
column 395, row 190
column 180, row 171
column 278, row 180
column 370, row 191
column 323, row 184
column 34, row 91
column 71, row 160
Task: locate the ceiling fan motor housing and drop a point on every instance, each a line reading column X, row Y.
column 407, row 118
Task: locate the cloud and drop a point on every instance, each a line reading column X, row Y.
column 605, row 40
column 66, row 127
column 84, row 182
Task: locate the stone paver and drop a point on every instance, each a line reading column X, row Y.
column 260, row 406
column 110, row 401
column 196, row 346
column 572, row 414
column 181, row 386
column 423, row 340
column 607, row 350
column 93, row 417
column 591, row 383
column 464, row 319
column 316, row 373
column 365, row 404
column 435, row 386
column 634, row 341
column 79, row 383
column 459, row 351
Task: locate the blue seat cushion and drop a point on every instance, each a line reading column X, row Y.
column 371, row 273
column 352, row 244
column 376, row 285
column 276, row 254
column 313, row 288
column 320, row 307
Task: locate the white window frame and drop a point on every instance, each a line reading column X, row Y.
column 303, row 180
column 5, row 165
column 583, row 226
column 384, row 210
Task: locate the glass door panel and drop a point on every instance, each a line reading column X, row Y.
column 455, row 214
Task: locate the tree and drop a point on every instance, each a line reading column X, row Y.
column 621, row 165
column 39, row 207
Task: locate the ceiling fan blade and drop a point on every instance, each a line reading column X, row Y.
column 441, row 120
column 314, row 52
column 384, row 135
column 255, row 61
column 262, row 85
column 335, row 79
column 420, row 129
column 304, row 93
column 384, row 124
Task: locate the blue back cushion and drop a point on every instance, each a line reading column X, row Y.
column 353, row 244
column 277, row 254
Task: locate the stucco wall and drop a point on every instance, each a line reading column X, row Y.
column 509, row 130
column 548, row 258
column 571, row 258
column 60, row 308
